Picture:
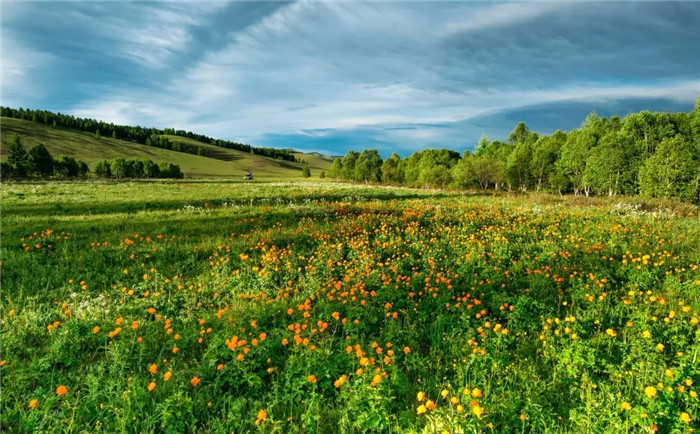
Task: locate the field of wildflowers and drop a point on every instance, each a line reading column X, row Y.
column 280, row 307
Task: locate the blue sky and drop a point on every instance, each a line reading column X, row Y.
column 333, row 76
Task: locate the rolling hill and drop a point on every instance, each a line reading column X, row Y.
column 221, row 162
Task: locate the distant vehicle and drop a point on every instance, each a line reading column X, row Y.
column 248, row 176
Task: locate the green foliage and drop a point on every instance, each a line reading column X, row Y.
column 612, row 165
column 336, row 171
column 41, row 160
column 18, row 158
column 673, row 171
column 136, row 168
column 306, row 172
column 368, row 167
column 392, row 169
column 347, row 170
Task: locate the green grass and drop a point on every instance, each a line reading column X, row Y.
column 226, row 163
column 558, row 310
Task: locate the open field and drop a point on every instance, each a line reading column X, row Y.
column 87, row 147
column 323, row 307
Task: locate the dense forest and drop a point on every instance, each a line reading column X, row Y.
column 144, row 136
column 649, row 153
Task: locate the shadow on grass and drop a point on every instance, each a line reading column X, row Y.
column 132, row 207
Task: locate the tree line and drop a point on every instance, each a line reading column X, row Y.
column 39, row 163
column 137, row 134
column 648, row 153
column 136, row 168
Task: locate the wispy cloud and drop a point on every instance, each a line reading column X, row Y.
column 334, row 75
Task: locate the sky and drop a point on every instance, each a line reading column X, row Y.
column 333, row 76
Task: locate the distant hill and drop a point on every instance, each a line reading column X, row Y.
column 220, row 162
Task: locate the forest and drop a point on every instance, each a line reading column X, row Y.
column 653, row 154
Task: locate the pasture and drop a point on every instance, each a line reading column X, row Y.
column 216, row 306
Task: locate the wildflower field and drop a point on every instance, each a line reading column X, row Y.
column 324, row 307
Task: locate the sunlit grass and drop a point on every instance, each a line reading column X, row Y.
column 302, row 307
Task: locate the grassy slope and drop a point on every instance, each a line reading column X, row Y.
column 317, row 162
column 86, row 147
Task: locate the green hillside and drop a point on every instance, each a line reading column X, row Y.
column 221, row 162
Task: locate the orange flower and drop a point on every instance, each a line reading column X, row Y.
column 33, row 403
column 95, row 329
column 167, row 376
column 220, row 366
column 285, row 341
column 430, row 404
column 406, row 350
column 61, row 390
column 195, row 381
column 311, row 379
column 153, row 369
column 151, row 386
column 262, row 415
column 340, row 381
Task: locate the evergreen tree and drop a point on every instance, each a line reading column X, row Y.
column 41, row 160
column 18, row 157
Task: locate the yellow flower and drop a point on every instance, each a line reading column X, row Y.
column 444, row 393
column 626, row 406
column 685, row 417
column 420, row 396
column 650, row 391
column 420, row 409
column 611, row 333
column 477, row 409
column 476, row 393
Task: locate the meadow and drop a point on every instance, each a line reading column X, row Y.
column 216, row 306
